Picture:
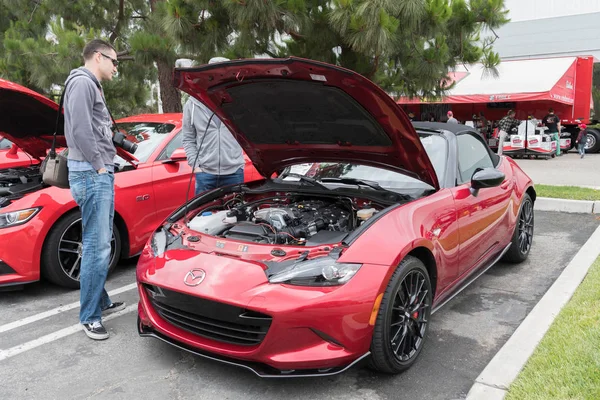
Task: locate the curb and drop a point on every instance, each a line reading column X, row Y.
column 503, row 369
column 568, row 206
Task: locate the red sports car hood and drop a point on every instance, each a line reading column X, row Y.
column 28, row 119
column 290, row 111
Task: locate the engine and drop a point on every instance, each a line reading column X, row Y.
column 307, row 222
column 15, row 182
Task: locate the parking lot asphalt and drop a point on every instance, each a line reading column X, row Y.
column 44, row 355
column 566, row 170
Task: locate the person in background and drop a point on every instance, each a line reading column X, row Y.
column 451, row 119
column 552, row 122
column 411, row 116
column 484, row 124
column 581, row 139
column 506, row 125
column 211, row 150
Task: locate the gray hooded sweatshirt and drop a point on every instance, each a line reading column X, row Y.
column 87, row 121
column 220, row 153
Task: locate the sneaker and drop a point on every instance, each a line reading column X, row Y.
column 95, row 330
column 114, row 307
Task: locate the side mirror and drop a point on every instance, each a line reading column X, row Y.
column 485, row 178
column 178, row 155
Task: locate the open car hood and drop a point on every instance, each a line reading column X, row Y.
column 291, row 111
column 28, row 119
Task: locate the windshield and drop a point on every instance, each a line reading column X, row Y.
column 435, row 146
column 5, row 143
column 147, row 135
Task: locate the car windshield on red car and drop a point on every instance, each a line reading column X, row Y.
column 435, row 146
column 147, row 135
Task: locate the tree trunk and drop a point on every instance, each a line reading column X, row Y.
column 169, row 95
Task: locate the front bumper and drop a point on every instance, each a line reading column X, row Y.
column 261, row 370
column 18, row 261
column 313, row 331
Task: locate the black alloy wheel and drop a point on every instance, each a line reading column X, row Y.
column 61, row 260
column 522, row 238
column 403, row 318
column 408, row 325
column 526, row 227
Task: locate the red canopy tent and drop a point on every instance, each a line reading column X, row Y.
column 529, row 87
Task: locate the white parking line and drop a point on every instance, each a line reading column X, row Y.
column 57, row 310
column 13, row 351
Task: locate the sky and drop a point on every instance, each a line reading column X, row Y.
column 525, row 10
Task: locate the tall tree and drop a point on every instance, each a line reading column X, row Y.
column 43, row 40
column 406, row 46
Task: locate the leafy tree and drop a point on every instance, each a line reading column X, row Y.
column 406, row 46
column 42, row 41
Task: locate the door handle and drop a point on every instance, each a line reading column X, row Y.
column 506, row 185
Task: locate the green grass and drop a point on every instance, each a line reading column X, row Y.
column 566, row 364
column 567, row 192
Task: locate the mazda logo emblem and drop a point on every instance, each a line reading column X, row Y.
column 194, row 277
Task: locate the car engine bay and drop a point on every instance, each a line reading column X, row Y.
column 295, row 220
column 16, row 182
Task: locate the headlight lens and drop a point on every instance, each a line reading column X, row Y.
column 17, row 217
column 159, row 242
column 322, row 271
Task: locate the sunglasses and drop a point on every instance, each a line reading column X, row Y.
column 114, row 61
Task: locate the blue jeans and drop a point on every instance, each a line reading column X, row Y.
column 206, row 181
column 95, row 195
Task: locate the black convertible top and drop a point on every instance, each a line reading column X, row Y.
column 443, row 126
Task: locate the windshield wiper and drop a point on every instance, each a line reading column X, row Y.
column 303, row 178
column 354, row 181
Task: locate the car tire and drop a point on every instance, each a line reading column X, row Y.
column 522, row 237
column 391, row 352
column 55, row 261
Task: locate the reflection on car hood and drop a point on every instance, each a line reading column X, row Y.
column 290, row 111
column 28, row 119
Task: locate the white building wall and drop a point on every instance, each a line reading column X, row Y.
column 527, row 10
column 550, row 28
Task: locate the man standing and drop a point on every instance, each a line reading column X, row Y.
column 505, row 125
column 451, row 119
column 91, row 177
column 553, row 123
column 211, row 150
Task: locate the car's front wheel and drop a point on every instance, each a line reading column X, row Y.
column 61, row 256
column 403, row 319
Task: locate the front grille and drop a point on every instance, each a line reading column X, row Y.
column 209, row 319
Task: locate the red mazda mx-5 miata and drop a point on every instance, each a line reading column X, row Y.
column 371, row 224
column 40, row 226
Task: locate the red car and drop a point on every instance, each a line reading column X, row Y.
column 40, row 226
column 371, row 224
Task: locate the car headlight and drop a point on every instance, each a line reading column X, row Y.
column 322, row 271
column 17, row 217
column 159, row 242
